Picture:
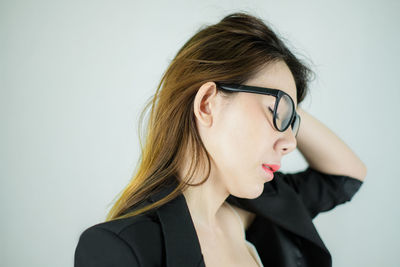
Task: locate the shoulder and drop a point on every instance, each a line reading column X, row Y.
column 126, row 241
column 137, row 226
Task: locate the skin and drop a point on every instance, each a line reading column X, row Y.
column 240, row 136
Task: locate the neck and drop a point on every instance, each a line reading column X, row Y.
column 205, row 202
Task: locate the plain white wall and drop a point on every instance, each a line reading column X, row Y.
column 76, row 74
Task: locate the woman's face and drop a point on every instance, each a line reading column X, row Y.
column 242, row 136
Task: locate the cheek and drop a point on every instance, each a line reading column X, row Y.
column 243, row 140
column 242, row 145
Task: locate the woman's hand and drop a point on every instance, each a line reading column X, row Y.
column 326, row 152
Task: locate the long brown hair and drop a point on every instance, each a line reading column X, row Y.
column 231, row 51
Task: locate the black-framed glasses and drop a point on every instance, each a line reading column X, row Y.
column 284, row 112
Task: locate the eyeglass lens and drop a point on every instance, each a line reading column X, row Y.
column 284, row 114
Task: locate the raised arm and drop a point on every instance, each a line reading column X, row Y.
column 325, row 151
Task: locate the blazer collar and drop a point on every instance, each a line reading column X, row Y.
column 180, row 234
column 182, row 245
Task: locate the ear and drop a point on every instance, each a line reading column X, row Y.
column 205, row 103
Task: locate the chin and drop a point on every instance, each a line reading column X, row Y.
column 252, row 192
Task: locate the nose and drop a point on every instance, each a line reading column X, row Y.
column 287, row 141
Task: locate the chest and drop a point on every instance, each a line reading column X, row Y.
column 225, row 249
column 227, row 256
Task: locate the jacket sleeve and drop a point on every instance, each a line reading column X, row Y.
column 321, row 191
column 98, row 247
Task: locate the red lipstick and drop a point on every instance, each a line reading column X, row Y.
column 272, row 167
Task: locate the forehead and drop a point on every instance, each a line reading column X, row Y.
column 276, row 75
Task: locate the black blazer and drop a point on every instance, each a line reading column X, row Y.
column 282, row 230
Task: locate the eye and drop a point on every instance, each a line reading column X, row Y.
column 270, row 109
column 272, row 112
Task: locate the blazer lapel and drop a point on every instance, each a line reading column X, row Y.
column 182, row 245
column 279, row 204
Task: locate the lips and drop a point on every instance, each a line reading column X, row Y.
column 273, row 167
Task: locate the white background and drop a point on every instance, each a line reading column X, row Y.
column 76, row 74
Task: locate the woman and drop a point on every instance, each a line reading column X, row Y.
column 208, row 191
